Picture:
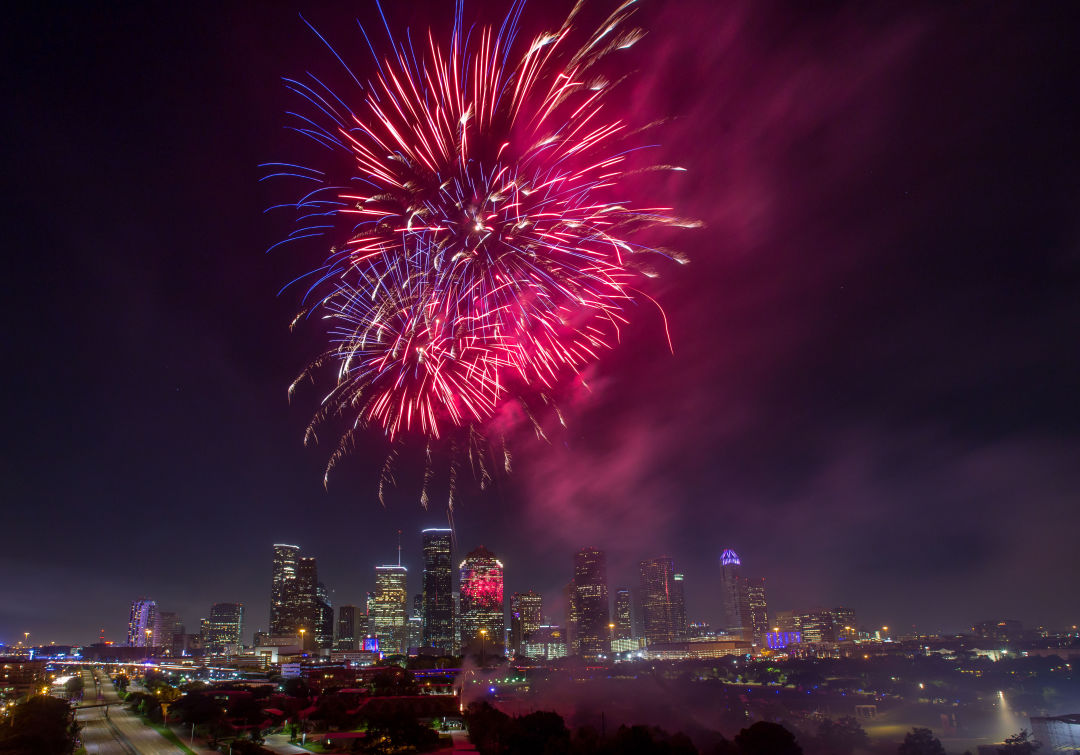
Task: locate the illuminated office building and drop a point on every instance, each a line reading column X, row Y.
column 223, row 627
column 734, row 597
column 591, row 635
column 661, row 601
column 345, row 638
column 482, row 622
column 759, row 609
column 390, row 609
column 167, row 626
column 437, row 601
column 141, row 621
column 284, row 607
column 525, row 617
column 624, row 615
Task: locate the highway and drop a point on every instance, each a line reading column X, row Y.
column 121, row 732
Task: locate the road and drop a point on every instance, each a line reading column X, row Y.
column 121, row 732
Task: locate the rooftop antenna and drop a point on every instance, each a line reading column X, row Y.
column 399, row 547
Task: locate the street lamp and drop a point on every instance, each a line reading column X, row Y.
column 302, row 638
column 483, row 646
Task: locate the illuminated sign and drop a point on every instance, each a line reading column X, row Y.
column 371, row 644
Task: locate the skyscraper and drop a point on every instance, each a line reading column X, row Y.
column 734, row 597
column 526, row 609
column 437, row 611
column 624, row 615
column 759, row 609
column 224, row 626
column 592, row 635
column 346, row 638
column 141, row 624
column 167, row 626
column 482, row 622
column 390, row 610
column 678, row 605
column 660, row 600
column 324, row 618
column 283, row 603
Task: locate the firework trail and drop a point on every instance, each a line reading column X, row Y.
column 482, row 247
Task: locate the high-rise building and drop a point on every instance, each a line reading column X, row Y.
column 591, row 636
column 223, row 626
column 167, row 625
column 759, row 609
column 816, row 626
column 390, row 611
column 526, row 609
column 437, row 612
column 307, row 597
column 284, row 608
column 141, row 624
column 678, row 605
column 638, row 612
column 482, row 621
column 324, row 618
column 734, row 597
column 346, row 638
column 659, row 601
column 844, row 621
column 624, row 615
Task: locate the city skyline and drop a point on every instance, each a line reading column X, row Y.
column 869, row 392
column 149, row 612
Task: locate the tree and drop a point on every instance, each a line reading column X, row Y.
column 196, row 708
column 767, row 738
column 839, row 737
column 1019, row 744
column 540, row 733
column 41, row 725
column 651, row 740
column 488, row 727
column 389, row 732
column 920, row 742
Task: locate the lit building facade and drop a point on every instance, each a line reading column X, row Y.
column 141, row 621
column 345, row 638
column 546, row 643
column 437, row 601
column 658, row 601
column 526, row 609
column 591, row 635
column 284, row 609
column 759, row 609
column 390, row 609
column 167, row 625
column 624, row 615
column 482, row 622
column 734, row 597
column 223, row 627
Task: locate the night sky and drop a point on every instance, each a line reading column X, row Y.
column 873, row 391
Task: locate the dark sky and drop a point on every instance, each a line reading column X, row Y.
column 873, row 395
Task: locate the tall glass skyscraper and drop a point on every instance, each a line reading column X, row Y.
column 437, row 601
column 224, row 626
column 735, row 597
column 526, row 609
column 345, row 637
column 141, row 622
column 283, row 602
column 482, row 622
column 661, row 601
column 624, row 615
column 592, row 635
column 390, row 608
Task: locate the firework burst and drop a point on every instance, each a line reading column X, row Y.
column 482, row 245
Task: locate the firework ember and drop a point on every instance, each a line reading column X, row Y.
column 483, row 243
